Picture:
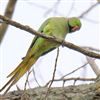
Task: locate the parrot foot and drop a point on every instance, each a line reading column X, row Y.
column 62, row 43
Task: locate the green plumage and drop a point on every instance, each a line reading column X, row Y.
column 57, row 27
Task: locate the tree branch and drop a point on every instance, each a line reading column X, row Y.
column 70, row 79
column 93, row 65
column 8, row 13
column 54, row 72
column 72, row 92
column 50, row 38
column 88, row 10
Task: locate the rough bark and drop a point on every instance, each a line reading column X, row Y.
column 80, row 92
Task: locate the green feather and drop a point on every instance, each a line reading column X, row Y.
column 58, row 27
column 74, row 21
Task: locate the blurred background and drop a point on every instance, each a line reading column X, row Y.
column 33, row 13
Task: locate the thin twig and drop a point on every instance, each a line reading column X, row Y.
column 53, row 9
column 74, row 70
column 35, row 77
column 79, row 79
column 53, row 74
column 27, row 79
column 50, row 38
column 44, row 7
column 71, row 8
column 72, row 78
column 88, row 10
column 93, row 65
column 63, row 77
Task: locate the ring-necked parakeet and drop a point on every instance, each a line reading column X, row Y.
column 55, row 26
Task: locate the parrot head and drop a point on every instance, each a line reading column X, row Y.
column 74, row 24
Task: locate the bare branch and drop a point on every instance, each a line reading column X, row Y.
column 27, row 80
column 74, row 70
column 98, row 1
column 91, row 48
column 53, row 73
column 93, row 65
column 8, row 13
column 72, row 78
column 54, row 8
column 71, row 8
column 64, row 79
column 33, row 71
column 79, row 79
column 88, row 10
column 50, row 38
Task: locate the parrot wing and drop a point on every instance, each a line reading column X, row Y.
column 48, row 51
column 29, row 60
column 36, row 37
column 32, row 44
column 34, row 40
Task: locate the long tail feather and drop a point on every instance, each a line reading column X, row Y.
column 7, row 84
column 16, row 69
column 23, row 67
column 12, row 82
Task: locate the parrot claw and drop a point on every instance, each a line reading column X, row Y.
column 62, row 43
column 54, row 36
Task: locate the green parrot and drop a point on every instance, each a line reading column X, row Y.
column 57, row 27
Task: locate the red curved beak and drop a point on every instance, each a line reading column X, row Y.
column 75, row 28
